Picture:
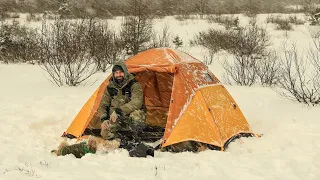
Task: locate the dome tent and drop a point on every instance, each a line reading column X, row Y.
column 181, row 95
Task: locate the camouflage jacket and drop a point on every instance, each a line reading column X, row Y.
column 128, row 96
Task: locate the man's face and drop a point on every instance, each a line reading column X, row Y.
column 119, row 76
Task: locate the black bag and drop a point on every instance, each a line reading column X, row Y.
column 139, row 150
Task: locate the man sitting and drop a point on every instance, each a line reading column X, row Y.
column 122, row 116
column 122, row 106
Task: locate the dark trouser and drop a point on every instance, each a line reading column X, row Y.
column 125, row 128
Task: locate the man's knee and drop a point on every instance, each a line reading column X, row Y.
column 110, row 132
column 107, row 134
column 138, row 115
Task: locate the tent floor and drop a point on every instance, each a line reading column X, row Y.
column 153, row 134
column 149, row 134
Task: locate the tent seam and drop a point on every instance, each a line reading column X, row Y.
column 212, row 117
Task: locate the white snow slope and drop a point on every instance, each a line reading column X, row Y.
column 34, row 113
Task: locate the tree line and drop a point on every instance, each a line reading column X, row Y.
column 109, row 8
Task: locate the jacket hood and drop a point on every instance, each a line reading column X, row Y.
column 127, row 75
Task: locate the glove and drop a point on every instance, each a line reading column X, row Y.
column 105, row 125
column 113, row 117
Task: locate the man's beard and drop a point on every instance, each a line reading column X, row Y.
column 119, row 80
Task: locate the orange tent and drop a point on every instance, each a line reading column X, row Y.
column 181, row 95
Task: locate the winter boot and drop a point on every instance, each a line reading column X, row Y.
column 139, row 151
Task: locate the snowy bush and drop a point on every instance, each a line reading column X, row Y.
column 284, row 25
column 299, row 79
column 248, row 47
column 215, row 40
column 177, row 41
column 73, row 51
column 247, row 40
column 17, row 43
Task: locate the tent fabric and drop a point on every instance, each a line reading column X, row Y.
column 181, row 94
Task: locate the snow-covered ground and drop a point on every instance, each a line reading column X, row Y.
column 34, row 113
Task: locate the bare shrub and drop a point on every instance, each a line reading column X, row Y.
column 45, row 163
column 49, row 15
column 64, row 10
column 314, row 53
column 17, row 43
column 240, row 71
column 248, row 46
column 295, row 20
column 13, row 15
column 184, row 17
column 211, row 18
column 202, row 7
column 316, row 39
column 272, row 18
column 268, row 69
column 249, row 40
column 252, row 8
column 281, row 23
column 25, row 169
column 299, row 81
column 33, row 17
column 181, row 17
column 208, row 58
column 91, row 8
column 310, row 7
column 136, row 29
column 103, row 44
column 245, row 44
column 64, row 54
column 226, row 21
column 284, row 25
column 108, row 50
column 136, row 33
column 249, row 70
column 162, row 39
